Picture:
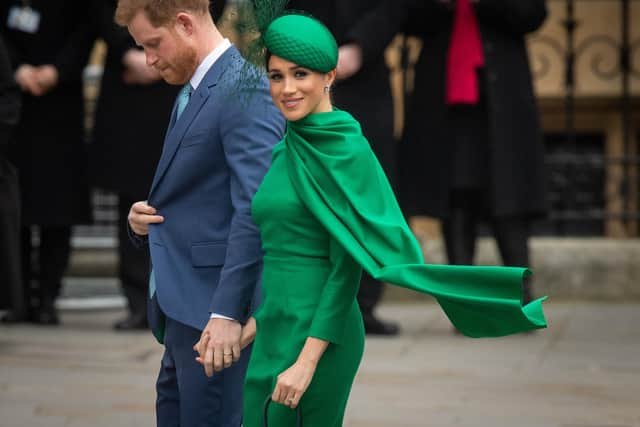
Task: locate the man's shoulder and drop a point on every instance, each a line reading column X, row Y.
column 241, row 75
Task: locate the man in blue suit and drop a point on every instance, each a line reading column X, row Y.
column 205, row 248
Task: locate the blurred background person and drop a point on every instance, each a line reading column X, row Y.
column 128, row 133
column 49, row 46
column 473, row 146
column 363, row 29
column 11, row 298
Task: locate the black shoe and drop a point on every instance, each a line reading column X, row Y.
column 375, row 326
column 47, row 315
column 133, row 322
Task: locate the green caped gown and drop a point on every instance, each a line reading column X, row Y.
column 325, row 211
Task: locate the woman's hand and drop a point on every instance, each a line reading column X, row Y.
column 293, row 382
column 248, row 333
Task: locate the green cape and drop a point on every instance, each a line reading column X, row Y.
column 339, row 179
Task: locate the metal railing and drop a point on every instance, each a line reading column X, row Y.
column 575, row 161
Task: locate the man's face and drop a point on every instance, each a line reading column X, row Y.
column 167, row 49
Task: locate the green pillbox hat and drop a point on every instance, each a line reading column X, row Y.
column 303, row 40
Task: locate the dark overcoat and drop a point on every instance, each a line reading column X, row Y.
column 367, row 94
column 516, row 172
column 130, row 120
column 50, row 149
column 11, row 295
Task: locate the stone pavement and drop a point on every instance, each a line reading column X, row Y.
column 584, row 371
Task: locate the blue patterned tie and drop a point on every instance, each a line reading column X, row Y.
column 183, row 99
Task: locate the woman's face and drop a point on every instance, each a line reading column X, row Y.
column 298, row 91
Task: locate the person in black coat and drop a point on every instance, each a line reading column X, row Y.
column 11, row 298
column 470, row 159
column 49, row 46
column 363, row 29
column 126, row 144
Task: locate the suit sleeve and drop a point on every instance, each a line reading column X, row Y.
column 519, row 17
column 338, row 296
column 136, row 239
column 250, row 127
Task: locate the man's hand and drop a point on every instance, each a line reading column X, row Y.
column 25, row 76
column 246, row 337
column 47, row 77
column 349, row 61
column 219, row 345
column 140, row 216
column 136, row 69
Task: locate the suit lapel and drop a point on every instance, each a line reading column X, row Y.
column 179, row 128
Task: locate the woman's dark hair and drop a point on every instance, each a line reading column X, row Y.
column 267, row 57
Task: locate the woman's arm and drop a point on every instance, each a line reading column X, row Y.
column 293, row 382
column 336, row 301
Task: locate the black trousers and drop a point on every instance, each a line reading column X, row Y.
column 134, row 262
column 369, row 294
column 460, row 233
column 44, row 265
column 11, row 295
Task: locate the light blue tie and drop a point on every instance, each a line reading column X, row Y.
column 183, row 100
column 152, row 284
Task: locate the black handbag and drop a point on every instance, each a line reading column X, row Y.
column 266, row 409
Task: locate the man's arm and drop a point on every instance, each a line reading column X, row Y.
column 250, row 127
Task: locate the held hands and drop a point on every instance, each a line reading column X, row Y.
column 37, row 80
column 293, row 382
column 136, row 69
column 246, row 337
column 219, row 346
column 140, row 216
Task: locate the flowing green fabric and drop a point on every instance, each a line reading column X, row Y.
column 336, row 174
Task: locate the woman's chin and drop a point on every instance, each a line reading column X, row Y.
column 293, row 115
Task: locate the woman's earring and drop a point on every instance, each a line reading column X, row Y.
column 327, row 88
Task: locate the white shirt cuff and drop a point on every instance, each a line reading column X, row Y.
column 220, row 316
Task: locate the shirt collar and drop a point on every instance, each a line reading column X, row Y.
column 208, row 62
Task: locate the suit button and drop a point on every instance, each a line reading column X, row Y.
column 488, row 47
column 492, row 77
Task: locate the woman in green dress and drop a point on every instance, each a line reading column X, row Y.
column 325, row 211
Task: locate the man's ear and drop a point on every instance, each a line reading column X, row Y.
column 184, row 23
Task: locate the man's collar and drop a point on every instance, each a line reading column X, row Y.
column 208, row 62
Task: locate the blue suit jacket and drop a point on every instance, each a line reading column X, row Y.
column 207, row 254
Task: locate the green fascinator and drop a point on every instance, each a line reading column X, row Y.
column 263, row 25
column 303, row 40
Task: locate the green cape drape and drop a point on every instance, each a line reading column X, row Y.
column 338, row 177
